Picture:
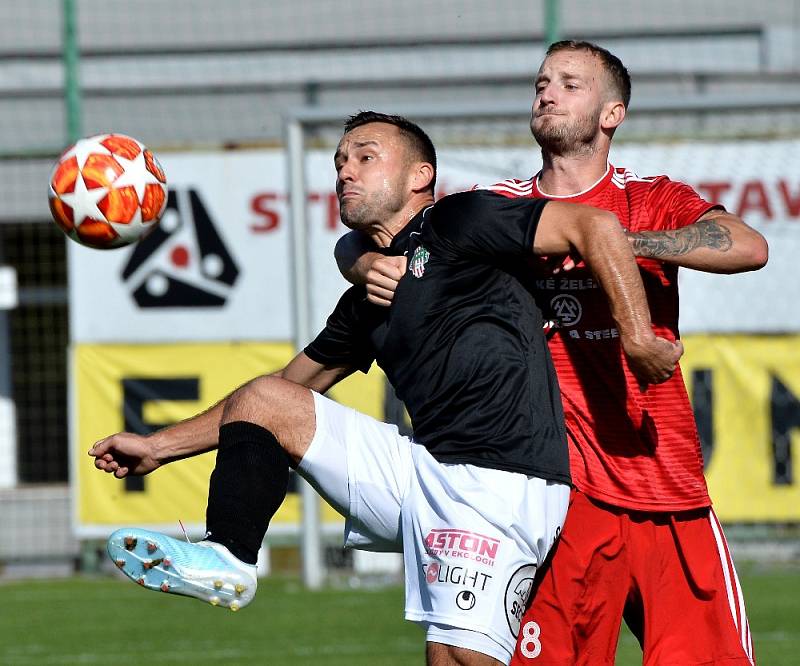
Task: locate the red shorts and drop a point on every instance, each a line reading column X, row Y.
column 670, row 575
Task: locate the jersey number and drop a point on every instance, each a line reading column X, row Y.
column 529, row 644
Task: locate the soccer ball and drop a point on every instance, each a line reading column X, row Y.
column 107, row 191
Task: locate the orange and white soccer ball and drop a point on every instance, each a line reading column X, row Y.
column 107, row 191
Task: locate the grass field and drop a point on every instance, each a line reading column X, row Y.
column 111, row 621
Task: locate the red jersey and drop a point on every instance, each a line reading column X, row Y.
column 631, row 449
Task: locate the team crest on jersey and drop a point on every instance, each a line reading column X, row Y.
column 418, row 261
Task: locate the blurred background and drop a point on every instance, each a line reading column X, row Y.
column 93, row 342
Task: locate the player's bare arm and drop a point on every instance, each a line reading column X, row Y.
column 360, row 264
column 598, row 237
column 315, row 376
column 127, row 453
column 718, row 242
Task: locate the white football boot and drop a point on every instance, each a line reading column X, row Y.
column 205, row 570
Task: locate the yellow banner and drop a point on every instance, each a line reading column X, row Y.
column 745, row 389
column 753, row 422
column 119, row 387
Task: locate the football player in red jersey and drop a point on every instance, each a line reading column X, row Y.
column 641, row 541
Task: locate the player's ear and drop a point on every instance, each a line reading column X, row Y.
column 422, row 176
column 612, row 115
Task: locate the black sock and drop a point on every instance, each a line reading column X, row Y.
column 247, row 486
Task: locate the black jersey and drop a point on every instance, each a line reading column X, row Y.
column 462, row 343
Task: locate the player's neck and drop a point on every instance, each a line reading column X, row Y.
column 565, row 175
column 383, row 233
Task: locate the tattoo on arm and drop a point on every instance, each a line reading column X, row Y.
column 703, row 234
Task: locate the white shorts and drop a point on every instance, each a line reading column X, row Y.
column 472, row 537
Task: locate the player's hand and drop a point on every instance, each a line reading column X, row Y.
column 652, row 359
column 124, row 454
column 382, row 279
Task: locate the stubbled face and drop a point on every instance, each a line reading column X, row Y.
column 372, row 174
column 570, row 94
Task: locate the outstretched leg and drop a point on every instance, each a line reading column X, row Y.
column 267, row 425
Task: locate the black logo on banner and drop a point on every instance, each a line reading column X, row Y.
column 162, row 286
column 138, row 391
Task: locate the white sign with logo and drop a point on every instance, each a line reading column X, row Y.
column 215, row 270
column 219, row 266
